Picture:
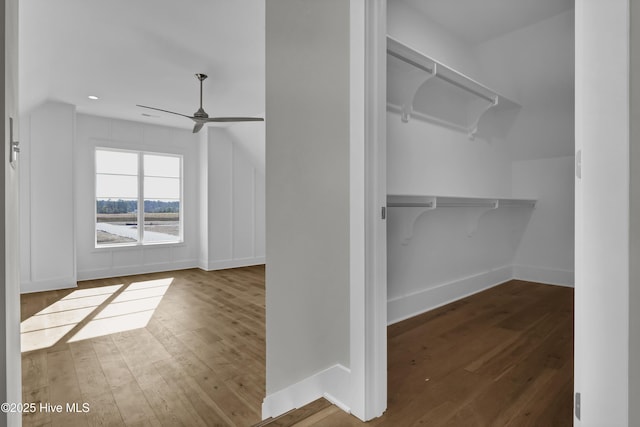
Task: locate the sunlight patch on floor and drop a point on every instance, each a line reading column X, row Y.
column 131, row 308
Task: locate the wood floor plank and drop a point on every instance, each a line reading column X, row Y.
column 206, row 407
column 500, row 357
column 198, row 360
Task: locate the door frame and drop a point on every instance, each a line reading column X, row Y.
column 9, row 252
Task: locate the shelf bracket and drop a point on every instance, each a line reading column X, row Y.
column 405, row 113
column 410, row 225
column 414, row 212
column 474, row 127
column 410, row 88
column 474, row 216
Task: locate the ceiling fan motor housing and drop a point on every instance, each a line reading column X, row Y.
column 200, row 114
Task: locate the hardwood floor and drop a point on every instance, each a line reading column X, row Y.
column 188, row 348
column 503, row 357
column 199, row 361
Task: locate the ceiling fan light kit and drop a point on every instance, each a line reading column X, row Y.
column 201, row 117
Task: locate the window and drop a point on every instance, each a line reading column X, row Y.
column 135, row 188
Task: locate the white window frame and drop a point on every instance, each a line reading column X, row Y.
column 140, row 214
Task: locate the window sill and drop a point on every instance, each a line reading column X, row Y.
column 134, row 246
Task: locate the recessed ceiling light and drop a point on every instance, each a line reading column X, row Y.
column 93, row 97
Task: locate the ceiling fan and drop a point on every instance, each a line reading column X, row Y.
column 201, row 117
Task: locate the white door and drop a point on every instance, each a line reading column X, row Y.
column 602, row 213
column 10, row 265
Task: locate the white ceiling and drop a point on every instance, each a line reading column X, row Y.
column 476, row 21
column 144, row 52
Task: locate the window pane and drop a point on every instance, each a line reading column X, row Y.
column 116, row 187
column 168, row 166
column 120, row 195
column 117, row 162
column 161, row 221
column 161, row 188
column 116, row 221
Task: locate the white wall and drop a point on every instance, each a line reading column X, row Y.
column 546, row 252
column 48, row 257
column 59, row 244
column 234, row 200
column 447, row 257
column 522, row 152
column 424, row 158
column 223, row 197
column 412, row 27
column 454, row 252
column 535, row 65
column 307, row 188
column 634, row 248
column 602, row 295
column 95, row 262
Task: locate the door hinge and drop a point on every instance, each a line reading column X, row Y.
column 383, row 213
column 578, row 406
column 13, row 145
column 579, row 164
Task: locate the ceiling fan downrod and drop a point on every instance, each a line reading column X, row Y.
column 200, row 112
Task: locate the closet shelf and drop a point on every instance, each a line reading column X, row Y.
column 423, row 88
column 419, row 205
column 433, row 202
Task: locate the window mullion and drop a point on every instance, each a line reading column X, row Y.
column 140, row 198
column 181, row 201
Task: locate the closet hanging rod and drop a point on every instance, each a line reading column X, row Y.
column 493, row 100
column 487, row 204
column 434, row 202
column 410, row 62
column 425, row 63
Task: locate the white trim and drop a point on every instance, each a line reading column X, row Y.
column 230, row 263
column 375, row 303
column 101, row 273
column 48, row 285
column 419, row 302
column 547, row 276
column 332, row 384
column 357, row 195
column 116, row 144
column 232, row 205
column 368, row 250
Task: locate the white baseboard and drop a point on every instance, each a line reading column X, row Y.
column 230, row 263
column 101, row 273
column 48, row 285
column 419, row 302
column 333, row 384
column 544, row 275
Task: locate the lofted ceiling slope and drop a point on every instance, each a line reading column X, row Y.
column 143, row 52
column 477, row 21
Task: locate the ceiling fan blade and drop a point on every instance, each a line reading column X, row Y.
column 234, row 119
column 197, row 127
column 166, row 111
